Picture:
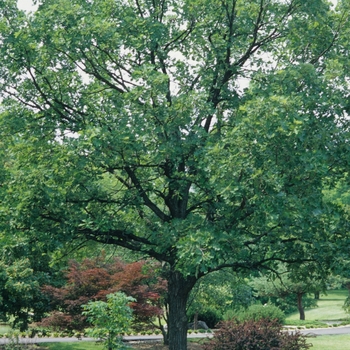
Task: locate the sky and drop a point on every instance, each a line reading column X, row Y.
column 26, row 5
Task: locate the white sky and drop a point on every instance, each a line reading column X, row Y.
column 26, row 5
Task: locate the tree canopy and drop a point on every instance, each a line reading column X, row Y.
column 200, row 133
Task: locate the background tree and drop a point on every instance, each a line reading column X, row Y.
column 290, row 290
column 340, row 196
column 125, row 122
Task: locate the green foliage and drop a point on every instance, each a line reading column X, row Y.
column 210, row 316
column 20, row 294
column 257, row 312
column 288, row 303
column 346, row 305
column 306, row 324
column 215, row 293
column 119, row 138
column 125, row 122
column 242, row 296
column 284, row 289
column 110, row 319
column 13, row 341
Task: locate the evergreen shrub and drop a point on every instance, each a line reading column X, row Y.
column 257, row 312
column 209, row 316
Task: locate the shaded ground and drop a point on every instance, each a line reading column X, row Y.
column 159, row 346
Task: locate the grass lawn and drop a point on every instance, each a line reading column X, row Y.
column 84, row 345
column 4, row 328
column 327, row 342
column 329, row 308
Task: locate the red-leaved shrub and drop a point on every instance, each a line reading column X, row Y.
column 93, row 279
column 255, row 335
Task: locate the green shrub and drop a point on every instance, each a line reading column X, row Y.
column 78, row 335
column 109, row 319
column 257, row 312
column 306, row 323
column 209, row 316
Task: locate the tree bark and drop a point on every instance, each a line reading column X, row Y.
column 195, row 321
column 300, row 306
column 179, row 288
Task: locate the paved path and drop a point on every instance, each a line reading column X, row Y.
column 35, row 340
column 326, row 331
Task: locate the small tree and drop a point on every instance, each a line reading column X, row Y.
column 93, row 279
column 110, row 319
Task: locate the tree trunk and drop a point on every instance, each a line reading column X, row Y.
column 179, row 288
column 195, row 321
column 300, row 306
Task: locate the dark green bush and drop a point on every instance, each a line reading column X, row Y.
column 255, row 335
column 257, row 312
column 209, row 316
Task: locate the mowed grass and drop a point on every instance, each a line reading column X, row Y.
column 83, row 345
column 4, row 328
column 330, row 308
column 327, row 342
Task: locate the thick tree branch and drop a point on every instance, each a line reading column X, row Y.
column 127, row 240
column 144, row 196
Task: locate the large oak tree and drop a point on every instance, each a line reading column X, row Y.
column 198, row 132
